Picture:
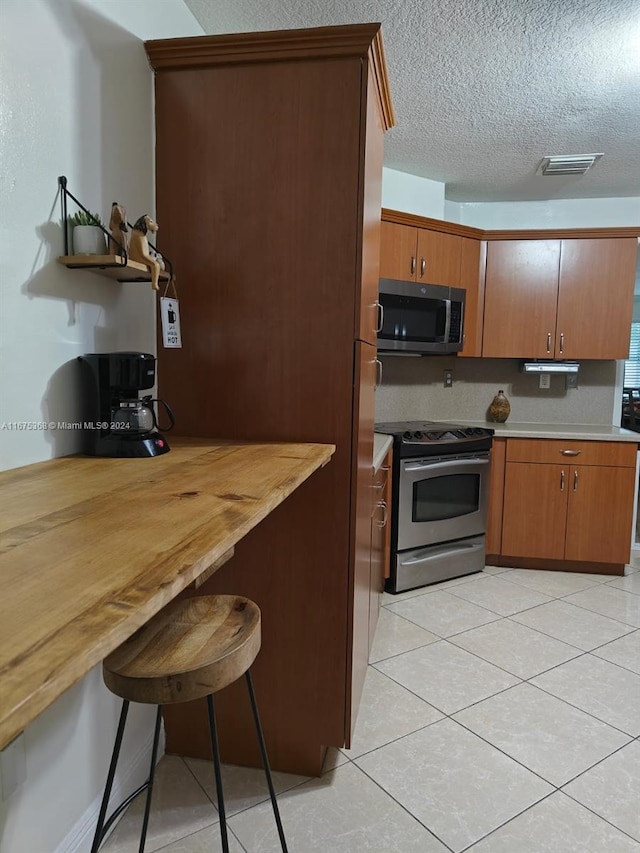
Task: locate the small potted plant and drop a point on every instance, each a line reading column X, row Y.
column 88, row 236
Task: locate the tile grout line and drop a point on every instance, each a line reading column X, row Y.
column 403, row 807
column 469, row 848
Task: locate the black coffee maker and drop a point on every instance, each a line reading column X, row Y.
column 117, row 422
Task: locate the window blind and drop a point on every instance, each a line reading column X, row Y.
column 632, row 364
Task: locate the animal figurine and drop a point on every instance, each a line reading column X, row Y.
column 158, row 257
column 119, row 240
column 139, row 249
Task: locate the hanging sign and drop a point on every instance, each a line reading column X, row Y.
column 170, row 316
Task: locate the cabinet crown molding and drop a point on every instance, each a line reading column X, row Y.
column 401, row 218
column 352, row 40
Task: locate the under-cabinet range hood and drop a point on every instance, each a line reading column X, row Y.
column 537, row 366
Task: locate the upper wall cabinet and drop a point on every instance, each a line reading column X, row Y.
column 419, row 254
column 472, row 275
column 565, row 299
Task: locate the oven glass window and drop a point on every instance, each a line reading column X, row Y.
column 410, row 318
column 448, row 496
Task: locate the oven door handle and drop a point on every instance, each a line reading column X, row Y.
column 436, row 552
column 453, row 463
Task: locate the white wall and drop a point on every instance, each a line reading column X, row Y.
column 76, row 100
column 411, row 194
column 553, row 213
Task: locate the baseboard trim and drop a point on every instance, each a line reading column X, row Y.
column 132, row 772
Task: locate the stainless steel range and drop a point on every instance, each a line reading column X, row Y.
column 440, row 496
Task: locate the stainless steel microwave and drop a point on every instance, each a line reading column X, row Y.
column 420, row 318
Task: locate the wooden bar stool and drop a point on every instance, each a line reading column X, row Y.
column 192, row 648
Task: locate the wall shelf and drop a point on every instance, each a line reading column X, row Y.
column 119, row 267
column 112, row 266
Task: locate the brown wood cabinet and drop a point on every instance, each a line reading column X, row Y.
column 380, row 540
column 493, row 545
column 566, row 299
column 567, row 501
column 420, row 254
column 269, row 165
column 472, row 278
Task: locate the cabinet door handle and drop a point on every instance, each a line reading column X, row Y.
column 413, row 265
column 571, row 452
column 423, row 266
column 548, row 341
column 575, row 479
column 561, row 342
column 562, row 481
column 383, row 507
column 379, row 372
column 380, row 317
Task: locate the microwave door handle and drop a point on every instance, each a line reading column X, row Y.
column 454, row 463
column 447, row 322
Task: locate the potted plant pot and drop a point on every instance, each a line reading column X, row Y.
column 88, row 237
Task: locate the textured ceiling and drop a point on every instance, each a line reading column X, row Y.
column 484, row 89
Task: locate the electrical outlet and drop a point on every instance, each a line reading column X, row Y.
column 13, row 767
column 545, row 380
column 448, row 379
column 571, row 380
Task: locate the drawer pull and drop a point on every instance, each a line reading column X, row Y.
column 571, row 452
column 378, row 373
column 575, row 480
column 413, row 265
column 548, row 341
column 383, row 522
column 562, row 481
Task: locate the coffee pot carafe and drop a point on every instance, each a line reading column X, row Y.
column 117, row 422
column 139, row 416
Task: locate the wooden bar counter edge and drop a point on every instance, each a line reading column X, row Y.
column 91, row 548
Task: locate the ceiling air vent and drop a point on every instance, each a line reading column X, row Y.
column 577, row 164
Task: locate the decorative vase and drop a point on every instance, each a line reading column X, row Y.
column 89, row 240
column 500, row 408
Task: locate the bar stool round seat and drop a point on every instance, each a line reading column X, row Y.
column 191, row 649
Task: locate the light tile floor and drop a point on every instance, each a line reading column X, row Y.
column 501, row 714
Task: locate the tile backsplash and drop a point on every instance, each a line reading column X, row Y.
column 412, row 389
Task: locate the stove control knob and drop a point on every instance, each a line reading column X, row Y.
column 479, row 431
column 407, row 435
column 418, row 435
column 469, row 432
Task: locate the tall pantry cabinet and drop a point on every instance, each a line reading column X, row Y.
column 269, row 172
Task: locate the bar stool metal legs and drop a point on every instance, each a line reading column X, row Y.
column 265, row 761
column 152, row 775
column 103, row 826
column 218, row 774
column 265, row 764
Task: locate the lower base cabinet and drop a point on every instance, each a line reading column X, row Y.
column 380, row 541
column 568, row 501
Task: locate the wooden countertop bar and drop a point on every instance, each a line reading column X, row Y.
column 91, row 548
